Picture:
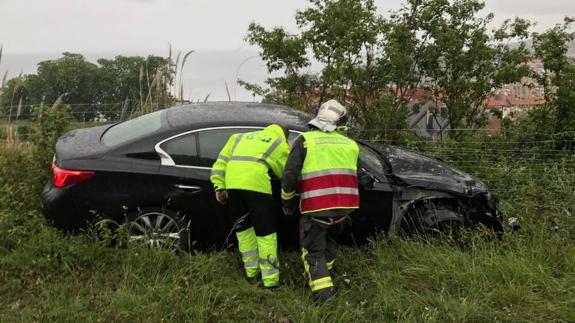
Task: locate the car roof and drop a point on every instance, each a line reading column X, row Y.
column 222, row 113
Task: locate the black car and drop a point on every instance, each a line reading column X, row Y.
column 153, row 172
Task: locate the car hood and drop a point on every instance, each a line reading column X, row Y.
column 419, row 170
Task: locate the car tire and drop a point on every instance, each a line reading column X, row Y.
column 156, row 227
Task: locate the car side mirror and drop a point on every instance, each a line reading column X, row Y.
column 365, row 180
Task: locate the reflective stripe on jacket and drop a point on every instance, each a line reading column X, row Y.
column 246, row 158
column 329, row 173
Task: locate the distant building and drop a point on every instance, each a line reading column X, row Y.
column 500, row 107
column 428, row 120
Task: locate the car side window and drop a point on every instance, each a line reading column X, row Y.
column 211, row 143
column 183, row 150
column 370, row 158
column 202, row 148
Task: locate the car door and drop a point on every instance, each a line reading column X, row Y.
column 376, row 201
column 186, row 160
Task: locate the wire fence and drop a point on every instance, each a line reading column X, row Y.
column 81, row 112
column 537, row 168
column 508, row 166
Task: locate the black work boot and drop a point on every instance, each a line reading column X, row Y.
column 252, row 280
column 322, row 295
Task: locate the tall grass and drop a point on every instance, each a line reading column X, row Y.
column 162, row 84
column 525, row 277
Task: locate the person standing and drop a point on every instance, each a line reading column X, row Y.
column 322, row 166
column 240, row 175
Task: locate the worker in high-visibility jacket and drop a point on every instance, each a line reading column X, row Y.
column 240, row 175
column 322, row 166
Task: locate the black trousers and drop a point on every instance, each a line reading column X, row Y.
column 258, row 207
column 319, row 246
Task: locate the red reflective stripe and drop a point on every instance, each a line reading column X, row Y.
column 328, row 181
column 330, row 201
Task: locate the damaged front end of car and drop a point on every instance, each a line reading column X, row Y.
column 431, row 196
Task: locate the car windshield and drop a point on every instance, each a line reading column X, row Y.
column 369, row 158
column 132, row 129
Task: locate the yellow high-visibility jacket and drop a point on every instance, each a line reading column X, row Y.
column 246, row 158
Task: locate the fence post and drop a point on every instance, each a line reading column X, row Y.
column 126, row 102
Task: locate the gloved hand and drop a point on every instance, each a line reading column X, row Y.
column 290, row 206
column 288, row 211
column 222, row 196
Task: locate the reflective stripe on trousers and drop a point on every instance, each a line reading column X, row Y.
column 320, row 283
column 267, row 247
column 318, row 252
column 330, row 264
column 247, row 243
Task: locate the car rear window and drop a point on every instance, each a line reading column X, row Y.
column 132, row 129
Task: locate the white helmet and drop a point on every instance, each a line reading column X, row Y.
column 328, row 115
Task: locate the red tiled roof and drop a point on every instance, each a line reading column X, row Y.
column 525, row 102
column 492, row 102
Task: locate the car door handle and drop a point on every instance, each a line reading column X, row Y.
column 190, row 188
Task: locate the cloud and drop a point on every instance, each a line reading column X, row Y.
column 531, row 7
column 179, row 2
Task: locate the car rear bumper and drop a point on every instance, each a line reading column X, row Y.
column 61, row 210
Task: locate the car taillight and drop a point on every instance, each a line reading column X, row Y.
column 63, row 177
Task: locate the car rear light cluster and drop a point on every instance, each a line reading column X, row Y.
column 63, row 177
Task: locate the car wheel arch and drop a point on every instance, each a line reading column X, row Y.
column 406, row 199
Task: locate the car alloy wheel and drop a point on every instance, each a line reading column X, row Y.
column 158, row 229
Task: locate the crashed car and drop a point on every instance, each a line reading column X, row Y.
column 152, row 172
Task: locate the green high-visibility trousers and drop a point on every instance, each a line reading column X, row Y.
column 256, row 233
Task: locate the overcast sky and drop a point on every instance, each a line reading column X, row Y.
column 123, row 26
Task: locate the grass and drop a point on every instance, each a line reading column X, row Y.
column 527, row 276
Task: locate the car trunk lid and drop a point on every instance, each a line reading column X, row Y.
column 80, row 144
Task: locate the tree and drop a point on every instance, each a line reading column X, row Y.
column 137, row 79
column 70, row 76
column 282, row 52
column 558, row 78
column 89, row 87
column 340, row 35
column 375, row 64
column 463, row 61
